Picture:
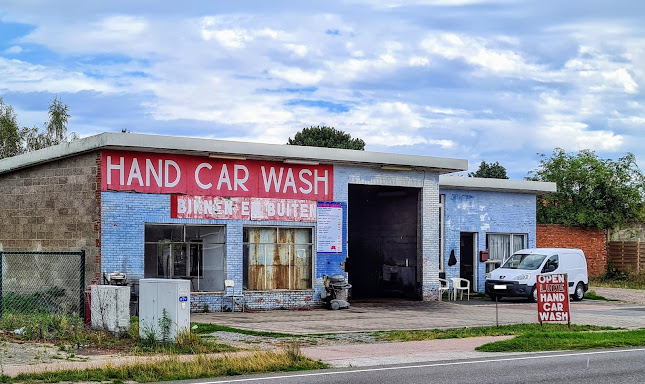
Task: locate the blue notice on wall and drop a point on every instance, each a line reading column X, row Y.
column 183, row 299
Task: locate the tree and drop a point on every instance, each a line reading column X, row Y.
column 592, row 192
column 326, row 137
column 490, row 171
column 10, row 141
column 15, row 140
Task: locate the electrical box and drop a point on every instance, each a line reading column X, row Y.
column 110, row 308
column 164, row 308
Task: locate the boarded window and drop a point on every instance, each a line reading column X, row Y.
column 277, row 258
column 188, row 252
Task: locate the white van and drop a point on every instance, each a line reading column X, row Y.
column 518, row 275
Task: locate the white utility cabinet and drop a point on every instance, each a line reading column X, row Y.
column 110, row 308
column 155, row 295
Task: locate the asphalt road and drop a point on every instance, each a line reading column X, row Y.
column 624, row 366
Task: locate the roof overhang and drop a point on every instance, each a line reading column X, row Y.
column 499, row 185
column 224, row 148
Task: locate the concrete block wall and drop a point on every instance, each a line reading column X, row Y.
column 53, row 207
column 592, row 241
column 483, row 212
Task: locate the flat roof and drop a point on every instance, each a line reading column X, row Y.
column 500, row 185
column 209, row 147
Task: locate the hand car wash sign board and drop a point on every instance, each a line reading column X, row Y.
column 553, row 298
column 221, row 188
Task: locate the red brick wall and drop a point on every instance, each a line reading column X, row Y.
column 592, row 241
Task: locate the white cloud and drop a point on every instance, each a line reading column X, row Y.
column 476, row 51
column 20, row 76
column 621, row 78
column 115, row 34
column 15, row 49
column 576, row 136
column 297, row 49
column 298, row 76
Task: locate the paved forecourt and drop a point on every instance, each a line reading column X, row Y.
column 383, row 315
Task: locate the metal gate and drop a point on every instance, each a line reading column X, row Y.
column 42, row 282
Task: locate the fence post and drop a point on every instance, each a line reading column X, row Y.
column 1, row 301
column 81, row 310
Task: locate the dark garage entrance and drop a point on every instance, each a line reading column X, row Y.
column 383, row 241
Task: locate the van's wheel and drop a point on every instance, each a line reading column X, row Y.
column 494, row 297
column 579, row 293
column 533, row 296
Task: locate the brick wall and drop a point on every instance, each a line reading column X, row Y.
column 592, row 241
column 53, row 207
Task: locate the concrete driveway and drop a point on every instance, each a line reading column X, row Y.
column 382, row 315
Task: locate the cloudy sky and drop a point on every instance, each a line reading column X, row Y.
column 497, row 80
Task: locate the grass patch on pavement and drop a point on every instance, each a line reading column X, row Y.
column 176, row 369
column 566, row 340
column 503, row 330
column 203, row 328
column 592, row 295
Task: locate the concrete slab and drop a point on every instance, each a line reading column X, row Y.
column 360, row 355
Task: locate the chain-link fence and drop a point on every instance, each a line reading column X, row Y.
column 42, row 282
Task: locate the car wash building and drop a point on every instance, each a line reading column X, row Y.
column 270, row 219
column 483, row 222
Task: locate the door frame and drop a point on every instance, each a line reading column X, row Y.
column 475, row 268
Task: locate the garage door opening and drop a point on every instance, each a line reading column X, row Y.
column 383, row 241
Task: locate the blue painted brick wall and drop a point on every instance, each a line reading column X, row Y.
column 123, row 218
column 484, row 212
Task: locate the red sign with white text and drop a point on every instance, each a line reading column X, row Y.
column 553, row 298
column 241, row 208
column 203, row 176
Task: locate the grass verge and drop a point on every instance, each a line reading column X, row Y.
column 175, row 369
column 504, row 330
column 566, row 340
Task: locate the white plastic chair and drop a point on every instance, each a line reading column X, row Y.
column 236, row 300
column 444, row 286
column 457, row 286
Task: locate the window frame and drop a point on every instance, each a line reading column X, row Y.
column 492, row 263
column 188, row 245
column 442, row 229
column 277, row 244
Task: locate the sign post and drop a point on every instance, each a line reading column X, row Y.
column 553, row 298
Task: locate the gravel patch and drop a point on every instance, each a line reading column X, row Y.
column 267, row 343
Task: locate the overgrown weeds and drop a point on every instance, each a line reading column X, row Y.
column 181, row 369
column 69, row 330
column 631, row 281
